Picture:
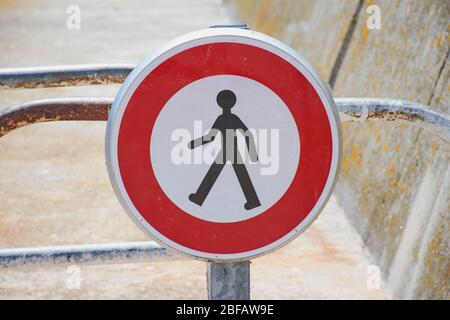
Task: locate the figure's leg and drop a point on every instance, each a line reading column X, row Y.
column 246, row 184
column 208, row 181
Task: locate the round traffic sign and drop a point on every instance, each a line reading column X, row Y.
column 224, row 145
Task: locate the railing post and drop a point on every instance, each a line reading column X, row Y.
column 228, row 281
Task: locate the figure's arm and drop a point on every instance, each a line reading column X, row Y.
column 250, row 142
column 203, row 140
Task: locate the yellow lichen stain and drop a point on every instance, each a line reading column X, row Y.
column 342, row 32
column 390, row 170
column 377, row 135
column 262, row 15
column 393, row 221
column 344, row 164
column 438, row 41
column 393, row 184
column 434, row 277
column 385, row 147
column 435, row 244
column 364, row 35
column 434, row 146
column 403, row 187
column 356, row 155
column 365, row 190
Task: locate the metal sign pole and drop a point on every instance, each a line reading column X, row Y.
column 228, row 281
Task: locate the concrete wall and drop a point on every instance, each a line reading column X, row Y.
column 395, row 180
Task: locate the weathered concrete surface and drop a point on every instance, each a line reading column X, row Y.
column 301, row 23
column 395, row 180
column 54, row 188
column 399, row 177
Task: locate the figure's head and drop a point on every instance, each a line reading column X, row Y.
column 226, row 99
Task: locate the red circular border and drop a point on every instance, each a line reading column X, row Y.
column 232, row 59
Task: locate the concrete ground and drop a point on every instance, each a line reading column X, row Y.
column 54, row 188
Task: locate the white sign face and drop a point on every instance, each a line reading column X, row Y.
column 224, row 145
column 190, row 114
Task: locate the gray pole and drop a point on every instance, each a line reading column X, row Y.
column 228, row 281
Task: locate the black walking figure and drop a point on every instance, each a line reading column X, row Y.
column 227, row 124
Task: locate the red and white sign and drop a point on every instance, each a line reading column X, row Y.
column 223, row 145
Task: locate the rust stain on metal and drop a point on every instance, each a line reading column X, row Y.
column 388, row 115
column 54, row 110
column 356, row 115
column 63, row 76
column 376, row 109
column 66, row 82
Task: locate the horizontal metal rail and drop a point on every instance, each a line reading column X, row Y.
column 86, row 254
column 350, row 109
column 61, row 109
column 63, row 76
column 365, row 109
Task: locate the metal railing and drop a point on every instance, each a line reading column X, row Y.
column 224, row 281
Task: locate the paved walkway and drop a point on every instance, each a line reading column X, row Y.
column 54, row 187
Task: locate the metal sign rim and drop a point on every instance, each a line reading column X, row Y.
column 142, row 70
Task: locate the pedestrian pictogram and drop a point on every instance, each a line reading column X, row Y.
column 224, row 144
column 225, row 124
